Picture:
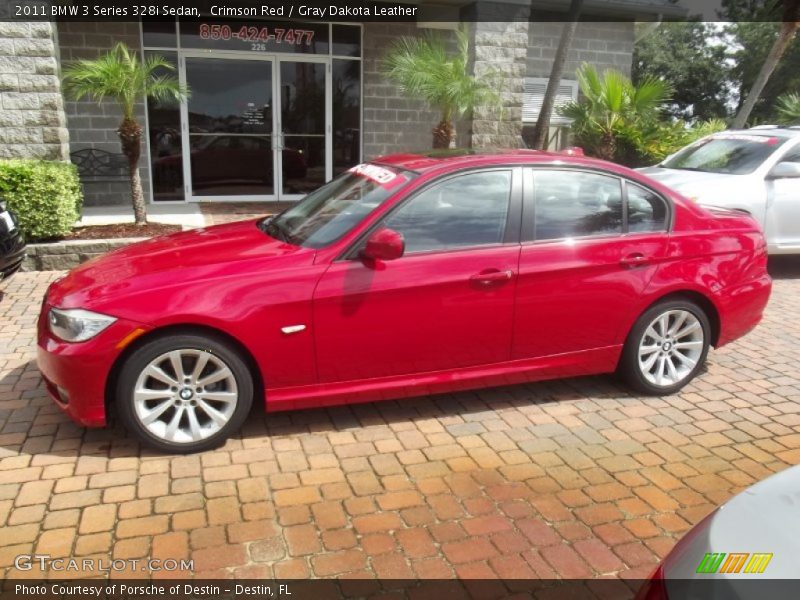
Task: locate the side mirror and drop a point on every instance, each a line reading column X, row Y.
column 384, row 244
column 785, row 169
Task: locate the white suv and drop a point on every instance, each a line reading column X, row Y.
column 756, row 170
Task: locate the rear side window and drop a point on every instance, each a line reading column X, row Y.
column 463, row 211
column 647, row 211
column 573, row 204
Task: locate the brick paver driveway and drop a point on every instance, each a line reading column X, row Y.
column 575, row 478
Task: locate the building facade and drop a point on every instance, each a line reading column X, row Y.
column 278, row 108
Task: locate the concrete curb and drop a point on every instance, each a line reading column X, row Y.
column 59, row 256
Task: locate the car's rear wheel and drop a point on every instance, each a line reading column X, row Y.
column 666, row 348
column 184, row 393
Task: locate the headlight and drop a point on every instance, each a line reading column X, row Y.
column 76, row 324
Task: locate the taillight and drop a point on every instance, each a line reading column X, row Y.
column 654, row 588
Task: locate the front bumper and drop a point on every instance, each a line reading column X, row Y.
column 75, row 374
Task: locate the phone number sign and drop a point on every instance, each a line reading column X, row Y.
column 263, row 36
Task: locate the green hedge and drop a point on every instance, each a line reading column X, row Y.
column 46, row 196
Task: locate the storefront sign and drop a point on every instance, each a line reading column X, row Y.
column 256, row 34
column 259, row 36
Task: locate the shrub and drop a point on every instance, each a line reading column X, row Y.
column 615, row 116
column 46, row 196
column 623, row 122
column 666, row 138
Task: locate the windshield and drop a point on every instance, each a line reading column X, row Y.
column 329, row 212
column 733, row 154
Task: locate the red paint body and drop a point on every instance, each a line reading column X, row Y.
column 494, row 315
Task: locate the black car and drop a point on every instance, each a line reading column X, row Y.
column 12, row 243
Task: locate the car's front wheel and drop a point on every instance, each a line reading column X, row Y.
column 184, row 393
column 666, row 348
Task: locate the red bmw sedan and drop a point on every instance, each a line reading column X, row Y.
column 408, row 275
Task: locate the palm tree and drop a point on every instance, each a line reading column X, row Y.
column 123, row 77
column 613, row 109
column 542, row 127
column 789, row 26
column 788, row 106
column 423, row 68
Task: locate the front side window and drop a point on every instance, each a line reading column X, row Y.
column 463, row 211
column 328, row 213
column 646, row 210
column 792, row 156
column 733, row 154
column 572, row 204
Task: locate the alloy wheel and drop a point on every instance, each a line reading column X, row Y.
column 671, row 347
column 185, row 395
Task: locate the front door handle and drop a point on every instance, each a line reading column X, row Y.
column 636, row 259
column 491, row 276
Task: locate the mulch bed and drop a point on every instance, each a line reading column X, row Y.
column 120, row 230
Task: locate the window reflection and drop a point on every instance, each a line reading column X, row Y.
column 347, row 40
column 159, row 34
column 229, row 96
column 646, row 210
column 231, row 164
column 575, row 204
column 164, row 134
column 346, row 114
column 467, row 210
column 303, row 126
column 230, row 126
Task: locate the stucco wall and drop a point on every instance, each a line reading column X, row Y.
column 392, row 121
column 605, row 45
column 32, row 121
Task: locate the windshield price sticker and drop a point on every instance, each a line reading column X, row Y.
column 375, row 173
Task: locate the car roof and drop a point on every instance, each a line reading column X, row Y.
column 770, row 130
column 459, row 158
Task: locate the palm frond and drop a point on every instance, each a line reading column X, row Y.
column 788, row 106
column 423, row 67
column 122, row 76
column 650, row 94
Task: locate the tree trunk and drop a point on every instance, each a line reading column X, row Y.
column 607, row 148
column 443, row 134
column 130, row 134
column 542, row 129
column 788, row 29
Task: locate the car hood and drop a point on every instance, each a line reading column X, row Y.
column 170, row 260
column 679, row 178
column 764, row 518
column 716, row 189
column 703, row 187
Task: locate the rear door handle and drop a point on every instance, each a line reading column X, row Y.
column 489, row 277
column 637, row 259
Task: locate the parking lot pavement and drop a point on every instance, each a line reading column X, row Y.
column 573, row 479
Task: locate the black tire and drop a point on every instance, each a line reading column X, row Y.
column 629, row 366
column 220, row 351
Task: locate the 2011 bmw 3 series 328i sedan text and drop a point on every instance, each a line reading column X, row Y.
column 409, row 275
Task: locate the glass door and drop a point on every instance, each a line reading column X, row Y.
column 303, row 126
column 229, row 121
column 256, row 127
